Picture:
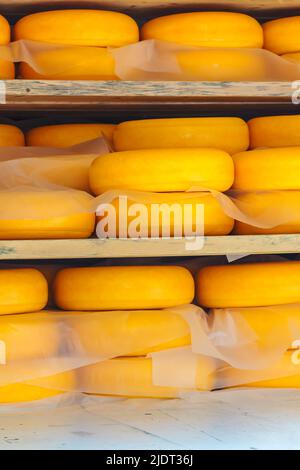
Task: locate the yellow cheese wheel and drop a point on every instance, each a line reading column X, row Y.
column 274, row 131
column 162, row 170
column 7, row 70
column 229, row 134
column 11, row 136
column 123, row 287
column 249, row 285
column 269, row 326
column 267, row 169
column 223, row 64
column 66, row 135
column 47, row 387
column 206, row 29
column 280, row 206
column 282, row 35
column 28, row 336
column 70, row 63
column 78, row 28
column 128, row 333
column 4, row 31
column 292, row 57
column 75, row 219
column 22, row 290
column 285, row 367
column 133, row 377
column 171, row 220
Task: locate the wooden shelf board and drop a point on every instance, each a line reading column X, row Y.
column 95, row 248
column 80, row 95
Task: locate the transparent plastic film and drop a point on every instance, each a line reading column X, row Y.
column 147, row 60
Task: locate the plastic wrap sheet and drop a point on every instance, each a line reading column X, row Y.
column 152, row 60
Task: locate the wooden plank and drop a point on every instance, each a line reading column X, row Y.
column 95, row 248
column 25, row 6
column 79, row 95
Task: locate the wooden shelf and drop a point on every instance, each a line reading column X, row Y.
column 95, row 248
column 26, row 6
column 91, row 95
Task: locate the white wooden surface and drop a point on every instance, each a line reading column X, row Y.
column 239, row 419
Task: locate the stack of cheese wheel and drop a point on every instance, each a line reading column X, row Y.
column 7, row 68
column 282, row 36
column 11, row 136
column 74, row 43
column 227, row 39
column 45, row 214
column 177, row 166
column 26, row 337
column 119, row 316
column 244, row 291
column 267, row 177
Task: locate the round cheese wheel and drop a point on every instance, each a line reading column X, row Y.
column 67, row 135
column 283, row 207
column 7, row 70
column 22, row 290
column 4, row 31
column 249, row 285
column 206, row 29
column 11, row 136
column 228, row 134
column 70, row 63
column 123, row 287
column 28, row 337
column 274, row 131
column 223, row 64
column 47, row 387
column 133, row 377
column 292, row 57
column 162, row 170
column 267, row 169
column 78, row 28
column 128, row 333
column 169, row 218
column 45, row 214
column 282, row 35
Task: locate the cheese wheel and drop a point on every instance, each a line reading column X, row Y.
column 282, row 35
column 4, row 31
column 286, row 373
column 11, row 136
column 223, row 64
column 281, row 208
column 206, row 29
column 74, row 217
column 78, row 28
column 28, row 337
column 292, row 57
column 70, row 63
column 67, row 135
column 274, row 131
column 249, row 285
column 269, row 327
column 228, row 134
column 133, row 377
column 22, row 290
column 167, row 214
column 128, row 333
column 47, row 387
column 7, row 70
column 123, row 287
column 162, row 170
column 267, row 169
